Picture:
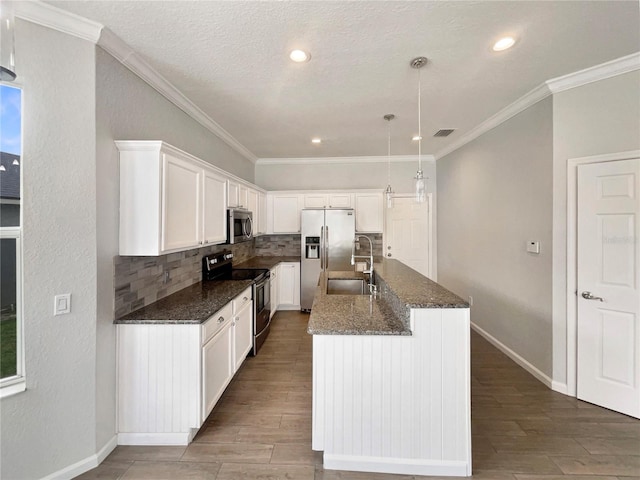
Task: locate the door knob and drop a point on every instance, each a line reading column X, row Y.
column 388, row 254
column 589, row 296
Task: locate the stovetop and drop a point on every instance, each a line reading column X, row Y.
column 218, row 266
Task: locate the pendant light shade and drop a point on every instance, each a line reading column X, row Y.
column 388, row 193
column 7, row 47
column 420, row 191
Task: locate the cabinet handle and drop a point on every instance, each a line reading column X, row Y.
column 221, row 319
column 244, row 299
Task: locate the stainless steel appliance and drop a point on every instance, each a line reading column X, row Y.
column 218, row 266
column 327, row 237
column 239, row 225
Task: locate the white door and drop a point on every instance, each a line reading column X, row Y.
column 608, row 278
column 214, row 208
column 407, row 233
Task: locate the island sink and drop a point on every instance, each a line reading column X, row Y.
column 347, row 286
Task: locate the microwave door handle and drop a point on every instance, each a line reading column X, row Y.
column 250, row 225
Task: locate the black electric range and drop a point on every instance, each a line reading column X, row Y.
column 219, row 266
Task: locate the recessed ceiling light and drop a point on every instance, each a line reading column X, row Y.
column 416, row 138
column 316, row 140
column 299, row 56
column 503, row 44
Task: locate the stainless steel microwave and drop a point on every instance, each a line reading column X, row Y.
column 239, row 225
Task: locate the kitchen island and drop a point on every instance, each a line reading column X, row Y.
column 391, row 376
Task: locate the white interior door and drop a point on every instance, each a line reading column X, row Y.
column 608, row 367
column 407, row 233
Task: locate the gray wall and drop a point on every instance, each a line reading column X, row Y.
column 129, row 109
column 494, row 194
column 598, row 118
column 52, row 424
column 343, row 176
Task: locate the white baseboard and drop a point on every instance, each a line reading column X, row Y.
column 560, row 388
column 288, row 307
column 85, row 465
column 529, row 367
column 403, row 466
column 155, row 438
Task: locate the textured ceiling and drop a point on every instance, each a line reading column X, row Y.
column 231, row 59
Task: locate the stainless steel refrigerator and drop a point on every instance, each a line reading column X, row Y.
column 327, row 238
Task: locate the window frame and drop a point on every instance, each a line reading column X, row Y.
column 17, row 383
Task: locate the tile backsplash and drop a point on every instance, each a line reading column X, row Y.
column 140, row 281
column 277, row 245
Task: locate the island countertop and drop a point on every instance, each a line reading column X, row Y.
column 400, row 289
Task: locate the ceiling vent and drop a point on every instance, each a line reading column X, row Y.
column 445, row 132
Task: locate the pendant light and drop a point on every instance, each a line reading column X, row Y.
column 7, row 47
column 388, row 193
column 420, row 194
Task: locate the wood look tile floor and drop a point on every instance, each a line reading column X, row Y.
column 261, row 428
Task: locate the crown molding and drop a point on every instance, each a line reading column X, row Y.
column 603, row 71
column 58, row 19
column 343, row 160
column 531, row 98
column 110, row 42
column 72, row 24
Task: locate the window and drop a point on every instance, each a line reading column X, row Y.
column 11, row 340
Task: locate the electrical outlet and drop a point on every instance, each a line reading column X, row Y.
column 167, row 277
column 470, row 301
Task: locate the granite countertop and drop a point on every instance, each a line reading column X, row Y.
column 400, row 289
column 414, row 289
column 266, row 261
column 352, row 314
column 194, row 304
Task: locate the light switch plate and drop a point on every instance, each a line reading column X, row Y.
column 533, row 246
column 62, row 304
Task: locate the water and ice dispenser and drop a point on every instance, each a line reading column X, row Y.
column 312, row 247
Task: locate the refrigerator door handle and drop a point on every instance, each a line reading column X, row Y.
column 321, row 248
column 326, row 247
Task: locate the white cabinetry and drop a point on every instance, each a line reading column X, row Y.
column 181, row 203
column 215, row 208
column 368, row 208
column 169, row 200
column 273, row 291
column 252, row 206
column 243, row 194
column 289, row 286
column 242, row 328
column 234, row 194
column 327, row 200
column 286, row 213
column 175, row 373
column 262, row 213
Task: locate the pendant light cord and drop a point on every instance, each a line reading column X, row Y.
column 419, row 122
column 389, row 153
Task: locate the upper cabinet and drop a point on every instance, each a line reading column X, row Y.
column 285, row 212
column 170, row 200
column 234, row 194
column 328, row 200
column 262, row 213
column 243, row 196
column 369, row 212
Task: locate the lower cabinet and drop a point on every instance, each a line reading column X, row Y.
column 170, row 376
column 273, row 292
column 289, row 286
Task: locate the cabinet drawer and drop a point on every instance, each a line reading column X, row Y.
column 241, row 300
column 216, row 322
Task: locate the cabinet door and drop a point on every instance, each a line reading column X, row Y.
column 274, row 297
column 369, row 212
column 252, row 206
column 217, row 368
column 315, row 200
column 181, row 213
column 340, row 200
column 215, row 208
column 262, row 213
column 242, row 334
column 243, row 194
column 286, row 214
column 233, row 194
column 289, row 284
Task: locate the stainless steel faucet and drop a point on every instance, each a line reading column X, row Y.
column 372, row 287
